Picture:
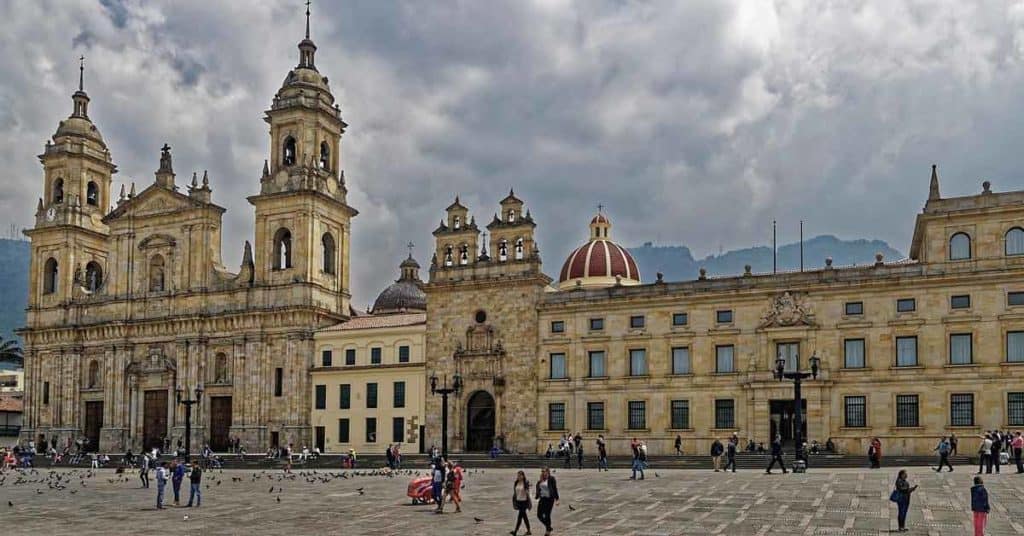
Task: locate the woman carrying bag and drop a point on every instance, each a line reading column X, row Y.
column 521, row 502
column 547, row 498
column 901, row 496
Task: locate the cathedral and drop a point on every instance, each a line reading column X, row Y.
column 131, row 309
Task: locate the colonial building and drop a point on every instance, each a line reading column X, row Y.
column 911, row 349
column 368, row 381
column 131, row 305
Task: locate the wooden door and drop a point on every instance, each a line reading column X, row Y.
column 154, row 419
column 93, row 423
column 220, row 423
column 321, row 438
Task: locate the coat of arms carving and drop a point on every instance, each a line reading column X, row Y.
column 788, row 310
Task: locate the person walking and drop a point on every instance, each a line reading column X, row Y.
column 521, row 502
column 638, row 462
column 144, row 470
column 177, row 475
column 547, row 498
column 985, row 454
column 1018, row 446
column 979, row 505
column 875, row 453
column 994, row 455
column 730, row 455
column 943, row 449
column 952, row 444
column 716, row 454
column 437, row 484
column 568, row 453
column 195, row 479
column 901, row 496
column 452, row 483
column 579, row 456
column 679, row 444
column 602, row 454
column 161, row 484
column 776, row 455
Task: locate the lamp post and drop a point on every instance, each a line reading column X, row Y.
column 797, row 377
column 188, row 414
column 444, row 391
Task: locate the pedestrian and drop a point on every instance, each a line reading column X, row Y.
column 776, row 455
column 437, row 484
column 95, row 460
column 716, row 454
column 875, row 453
column 985, row 453
column 195, row 479
column 602, row 453
column 390, row 456
column 547, row 498
column 521, row 502
column 730, row 454
column 952, row 444
column 568, row 454
column 944, row 449
column 994, row 455
column 901, row 496
column 679, row 444
column 638, row 464
column 144, row 470
column 579, row 456
column 177, row 475
column 979, row 505
column 161, row 483
column 1018, row 445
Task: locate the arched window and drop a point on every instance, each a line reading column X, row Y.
column 93, row 276
column 325, row 156
column 220, row 368
column 329, row 252
column 93, row 381
column 959, row 247
column 464, row 254
column 282, row 249
column 503, row 250
column 92, row 194
column 448, row 261
column 50, row 276
column 289, row 151
column 157, row 275
column 58, row 191
column 519, row 249
column 511, row 216
column 1015, row 241
column 457, row 222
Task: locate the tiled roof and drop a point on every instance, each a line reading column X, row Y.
column 380, row 321
column 12, row 402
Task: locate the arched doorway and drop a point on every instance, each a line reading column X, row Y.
column 480, row 422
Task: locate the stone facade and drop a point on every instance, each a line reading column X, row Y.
column 128, row 306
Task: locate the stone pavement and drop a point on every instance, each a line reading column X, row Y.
column 669, row 502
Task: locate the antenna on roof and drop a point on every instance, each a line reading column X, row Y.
column 801, row 245
column 775, row 251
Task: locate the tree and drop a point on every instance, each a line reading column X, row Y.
column 11, row 352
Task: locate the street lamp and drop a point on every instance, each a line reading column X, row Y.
column 797, row 377
column 188, row 414
column 444, row 391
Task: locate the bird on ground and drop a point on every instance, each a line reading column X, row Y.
column 572, row 508
column 278, row 499
column 10, row 504
column 478, row 520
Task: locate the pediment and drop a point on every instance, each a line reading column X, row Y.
column 154, row 201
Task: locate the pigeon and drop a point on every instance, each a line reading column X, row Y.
column 478, row 520
column 10, row 504
column 271, row 490
column 186, row 518
column 656, row 475
column 278, row 499
column 572, row 508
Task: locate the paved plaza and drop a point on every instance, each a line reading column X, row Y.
column 669, row 502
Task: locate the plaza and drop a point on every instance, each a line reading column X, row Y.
column 365, row 502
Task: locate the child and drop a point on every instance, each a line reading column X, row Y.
column 979, row 505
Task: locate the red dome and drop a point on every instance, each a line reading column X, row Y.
column 597, row 263
column 600, row 218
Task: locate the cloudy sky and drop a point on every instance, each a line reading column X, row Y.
column 693, row 122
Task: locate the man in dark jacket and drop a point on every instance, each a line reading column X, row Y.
column 195, row 479
column 716, row 454
column 776, row 455
column 979, row 505
column 730, row 455
column 547, row 498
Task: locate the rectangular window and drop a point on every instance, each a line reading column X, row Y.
column 344, row 396
column 724, row 359
column 403, row 354
column 854, row 308
column 558, row 326
column 960, row 349
column 398, row 429
column 342, row 430
column 596, row 324
column 681, row 360
column 962, row 301
column 321, row 396
column 1015, row 409
column 906, row 305
column 374, row 356
column 853, row 353
column 906, row 411
column 46, row 393
column 371, row 429
column 556, row 416
column 906, row 351
column 558, row 371
column 1015, row 346
column 399, row 395
column 638, row 362
column 595, row 415
column 278, row 381
column 596, row 359
column 789, row 353
column 724, row 316
column 637, row 321
column 725, row 413
column 680, row 319
column 856, row 412
column 1015, row 298
column 350, row 356
column 961, row 409
column 637, row 415
column 371, row 395
column 325, row 358
column 680, row 410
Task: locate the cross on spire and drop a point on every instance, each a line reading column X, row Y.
column 410, row 245
column 307, row 18
column 81, row 72
column 600, row 207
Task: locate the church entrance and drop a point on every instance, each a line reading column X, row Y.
column 154, row 419
column 783, row 420
column 220, row 423
column 93, row 423
column 480, row 423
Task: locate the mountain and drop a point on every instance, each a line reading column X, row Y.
column 14, row 262
column 678, row 264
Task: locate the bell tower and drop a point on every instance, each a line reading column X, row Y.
column 302, row 214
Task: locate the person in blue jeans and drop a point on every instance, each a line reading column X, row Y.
column 161, row 484
column 195, row 479
column 901, row 495
column 178, row 474
column 437, row 484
